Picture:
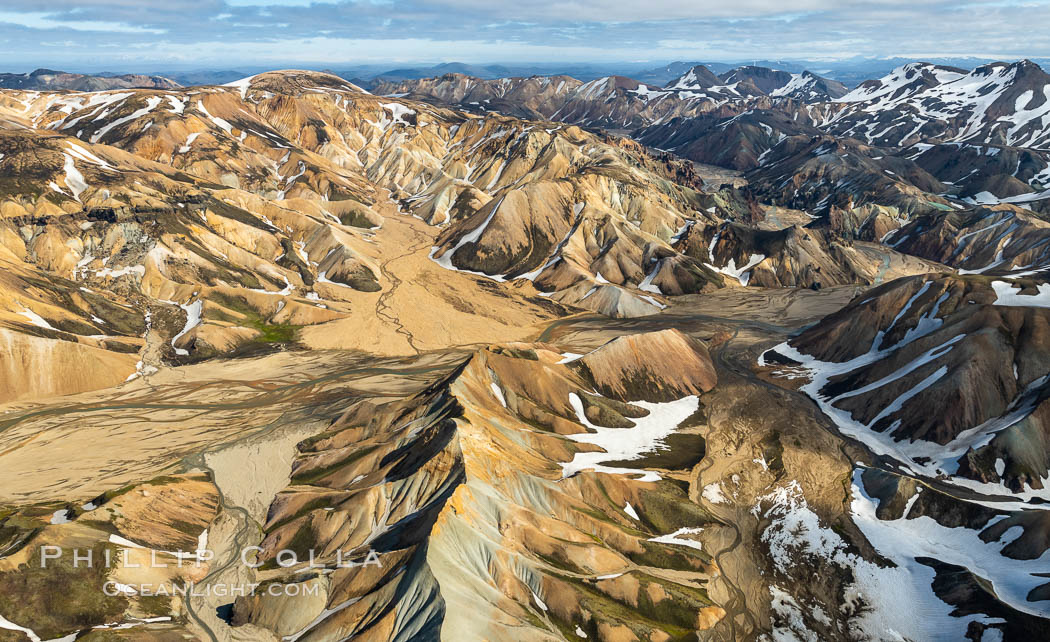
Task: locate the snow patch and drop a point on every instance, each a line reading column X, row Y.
column 676, row 538
column 630, row 511
column 74, row 179
column 619, row 444
column 36, row 319
column 713, row 493
column 1008, row 294
column 193, row 319
column 498, row 393
column 242, row 85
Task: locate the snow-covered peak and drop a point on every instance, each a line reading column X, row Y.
column 799, row 82
column 809, row 87
column 998, row 102
column 902, row 82
column 699, row 77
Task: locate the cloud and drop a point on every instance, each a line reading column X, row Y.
column 633, row 11
column 45, row 22
column 353, row 31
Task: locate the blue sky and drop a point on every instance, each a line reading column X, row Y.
column 140, row 34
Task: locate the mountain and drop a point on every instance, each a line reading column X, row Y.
column 126, row 175
column 741, row 120
column 987, row 173
column 976, row 136
column 962, row 348
column 762, row 78
column 698, row 77
column 1001, row 240
column 943, row 377
column 372, row 74
column 662, row 75
column 50, row 80
column 612, row 102
column 751, row 81
column 850, row 71
column 481, row 71
column 809, row 88
column 795, row 256
column 532, row 97
column 904, row 82
column 461, row 358
column 997, row 103
column 480, row 409
column 736, row 142
column 822, row 172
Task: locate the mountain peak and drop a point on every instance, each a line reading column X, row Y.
column 1026, row 66
column 808, row 87
column 698, row 77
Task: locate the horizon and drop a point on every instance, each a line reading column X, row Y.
column 831, row 69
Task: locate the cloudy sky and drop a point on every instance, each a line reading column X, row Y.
column 138, row 34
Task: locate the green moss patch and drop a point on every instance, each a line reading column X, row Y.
column 59, row 599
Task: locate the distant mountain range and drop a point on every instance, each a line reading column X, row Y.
column 48, row 79
column 849, row 72
column 617, row 102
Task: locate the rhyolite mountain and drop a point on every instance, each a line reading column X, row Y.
column 730, row 356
